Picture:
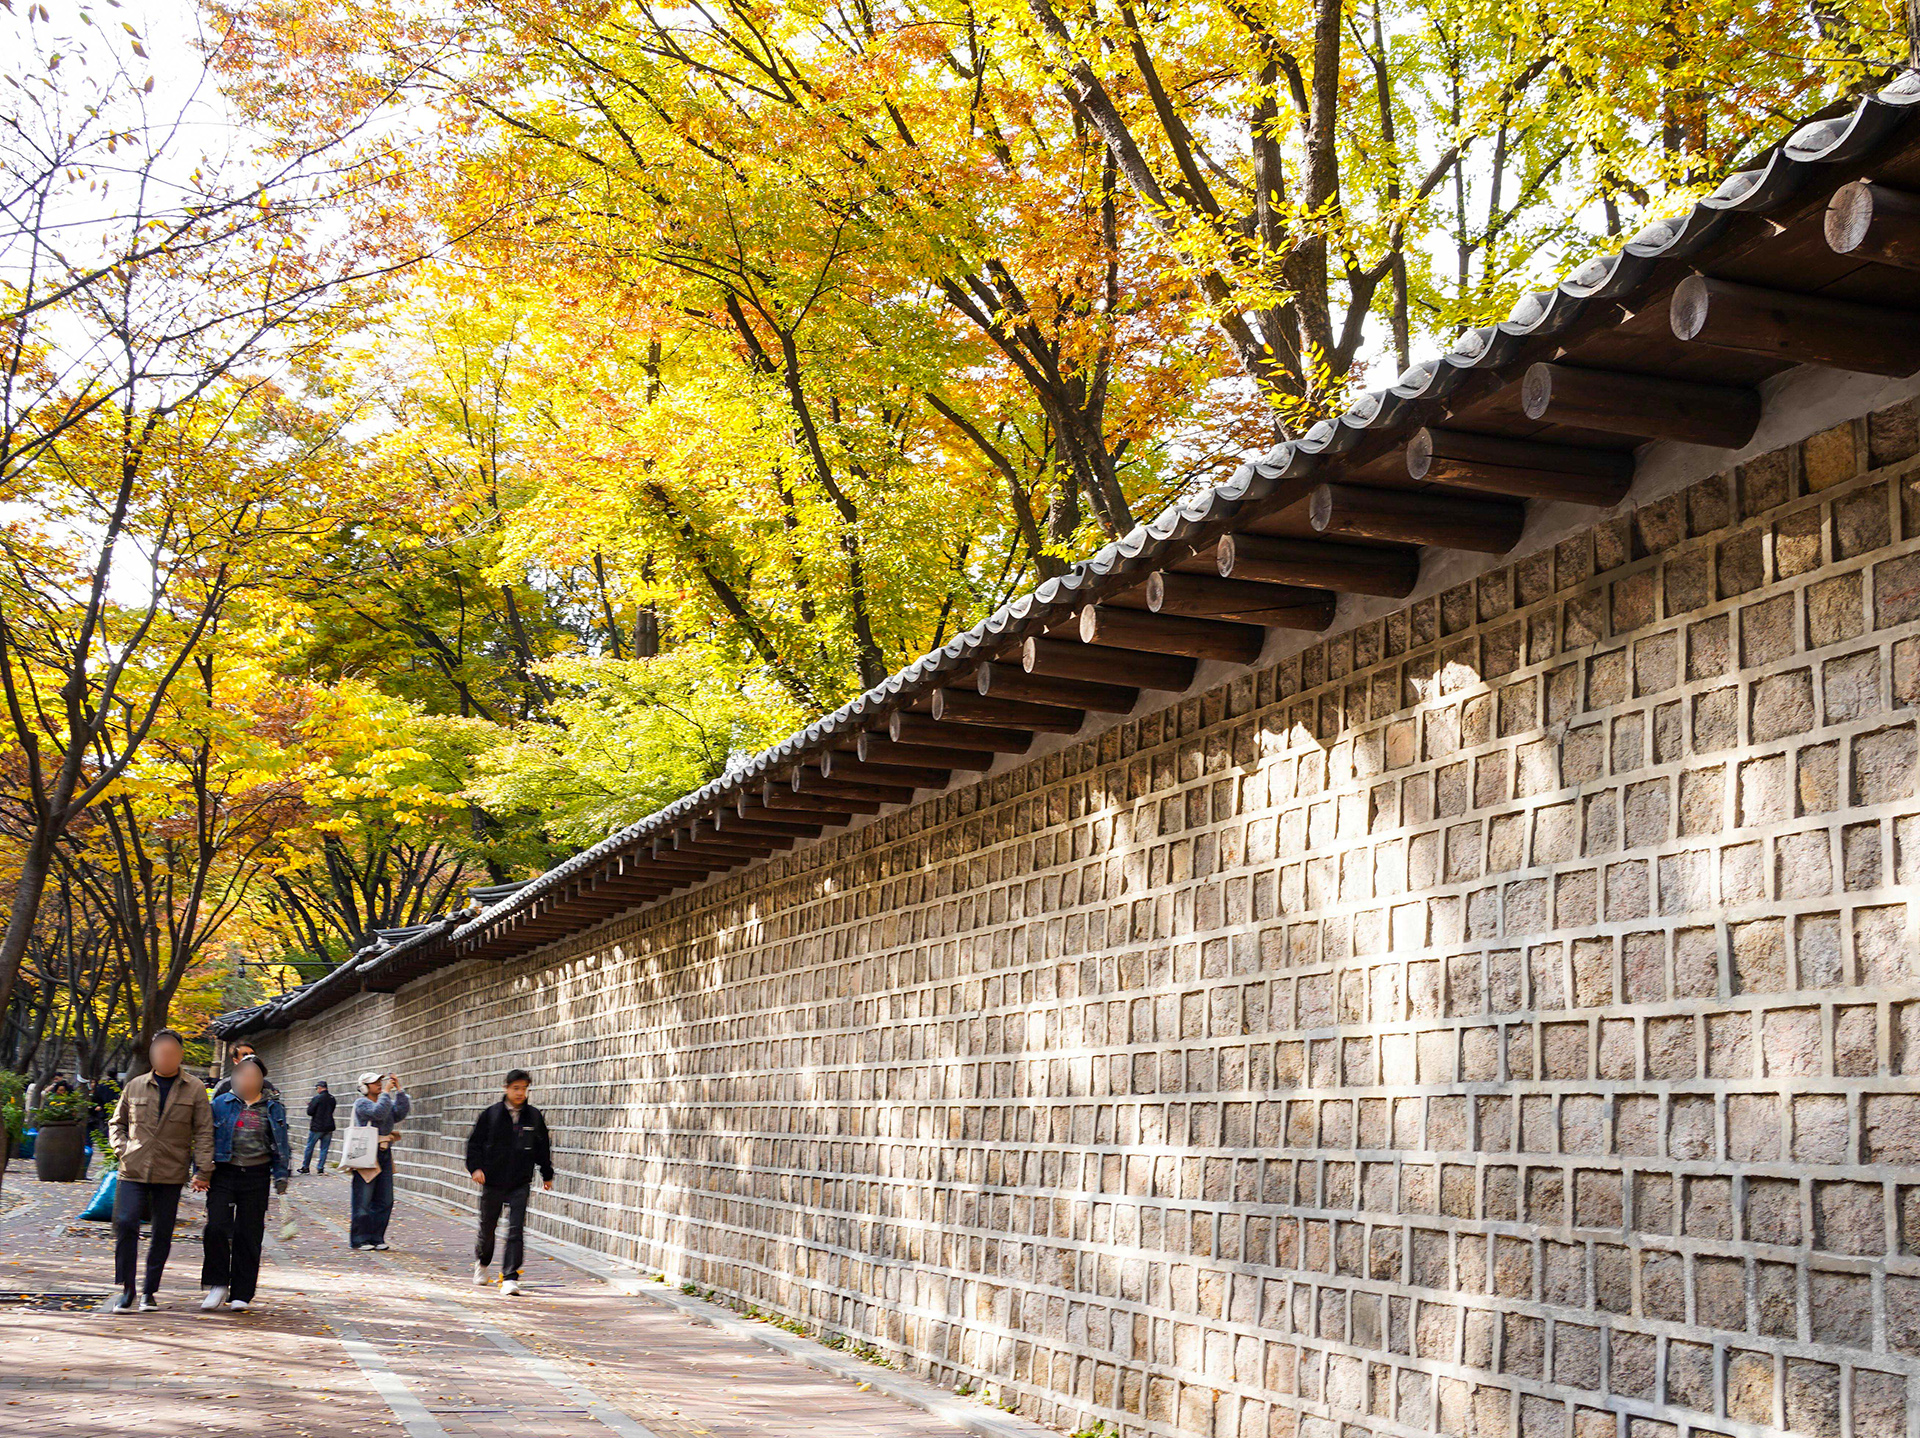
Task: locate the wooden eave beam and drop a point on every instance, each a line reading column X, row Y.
column 1866, row 221
column 1171, row 634
column 1801, row 329
column 874, row 749
column 704, row 834
column 1101, row 663
column 632, row 879
column 663, row 851
column 914, row 776
column 1313, row 563
column 725, row 821
column 1646, row 405
column 817, row 816
column 738, row 853
column 1445, row 521
column 542, row 929
column 1204, row 596
column 690, row 863
column 1519, row 468
column 918, row 729
column 960, row 706
column 808, row 780
column 782, row 798
column 633, row 891
column 1010, row 681
column 603, row 903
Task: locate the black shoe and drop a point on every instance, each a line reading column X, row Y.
column 122, row 1302
column 303, row 1170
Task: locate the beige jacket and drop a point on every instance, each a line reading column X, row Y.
column 154, row 1147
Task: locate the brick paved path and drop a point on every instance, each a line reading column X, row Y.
column 348, row 1343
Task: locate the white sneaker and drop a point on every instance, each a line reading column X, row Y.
column 482, row 1275
column 122, row 1302
column 381, row 1247
column 509, row 1288
column 215, row 1297
column 239, row 1305
column 148, row 1303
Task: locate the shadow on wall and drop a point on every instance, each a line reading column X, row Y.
column 1495, row 1014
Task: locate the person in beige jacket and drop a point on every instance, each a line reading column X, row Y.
column 163, row 1133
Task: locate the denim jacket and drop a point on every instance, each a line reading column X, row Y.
column 226, row 1109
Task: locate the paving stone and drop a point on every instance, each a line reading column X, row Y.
column 281, row 1370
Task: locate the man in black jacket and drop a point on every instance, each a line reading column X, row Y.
column 509, row 1141
column 319, row 1125
column 237, row 1050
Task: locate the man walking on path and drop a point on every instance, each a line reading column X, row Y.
column 240, row 1049
column 250, row 1151
column 163, row 1123
column 319, row 1126
column 382, row 1103
column 509, row 1141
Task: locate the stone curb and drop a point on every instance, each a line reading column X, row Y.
column 963, row 1414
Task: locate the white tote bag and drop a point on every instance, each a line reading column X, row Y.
column 362, row 1147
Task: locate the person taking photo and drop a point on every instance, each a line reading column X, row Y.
column 382, row 1104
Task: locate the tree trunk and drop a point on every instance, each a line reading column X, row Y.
column 35, row 867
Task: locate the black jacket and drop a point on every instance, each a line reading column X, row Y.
column 320, row 1112
column 492, row 1149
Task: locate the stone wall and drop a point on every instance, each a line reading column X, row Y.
column 1500, row 1019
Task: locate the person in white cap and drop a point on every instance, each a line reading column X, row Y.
column 382, row 1103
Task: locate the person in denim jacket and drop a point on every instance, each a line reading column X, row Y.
column 250, row 1150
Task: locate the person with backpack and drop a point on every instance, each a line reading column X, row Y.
column 509, row 1142
column 320, row 1126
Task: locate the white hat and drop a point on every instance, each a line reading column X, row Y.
column 371, row 1077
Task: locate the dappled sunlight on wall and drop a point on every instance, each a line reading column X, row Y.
column 1496, row 1018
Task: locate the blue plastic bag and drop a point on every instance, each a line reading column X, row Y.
column 99, row 1208
column 25, row 1150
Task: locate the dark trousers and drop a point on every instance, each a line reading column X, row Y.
column 325, row 1141
column 492, row 1200
column 236, row 1224
column 372, row 1204
column 135, row 1203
